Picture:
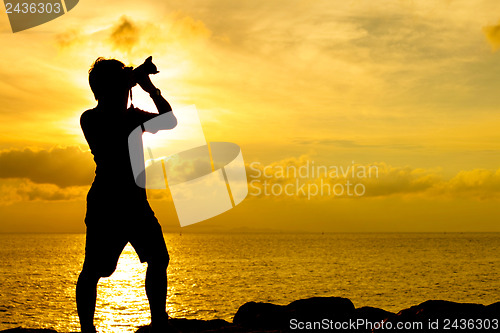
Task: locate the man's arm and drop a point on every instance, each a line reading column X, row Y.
column 161, row 103
column 163, row 107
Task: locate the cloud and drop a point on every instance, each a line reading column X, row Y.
column 129, row 37
column 400, row 181
column 66, row 173
column 376, row 180
column 492, row 33
column 68, row 38
column 124, row 35
column 159, row 195
column 351, row 144
column 63, row 167
column 22, row 190
column 188, row 28
column 329, row 181
column 479, row 183
column 50, row 175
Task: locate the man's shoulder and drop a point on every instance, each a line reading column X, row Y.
column 86, row 115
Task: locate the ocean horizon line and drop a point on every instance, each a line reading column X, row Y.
column 267, row 232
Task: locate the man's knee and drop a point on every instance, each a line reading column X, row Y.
column 106, row 272
column 94, row 272
column 158, row 265
column 159, row 262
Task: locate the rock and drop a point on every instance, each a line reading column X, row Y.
column 192, row 325
column 443, row 315
column 318, row 308
column 260, row 315
column 372, row 314
column 277, row 317
column 444, row 309
column 493, row 309
column 367, row 317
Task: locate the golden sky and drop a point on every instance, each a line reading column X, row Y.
column 409, row 86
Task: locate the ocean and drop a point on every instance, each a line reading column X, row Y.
column 211, row 275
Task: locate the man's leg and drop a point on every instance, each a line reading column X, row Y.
column 156, row 291
column 150, row 245
column 86, row 294
column 102, row 250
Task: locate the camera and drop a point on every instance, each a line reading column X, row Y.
column 145, row 69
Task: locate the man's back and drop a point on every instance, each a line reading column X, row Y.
column 114, row 187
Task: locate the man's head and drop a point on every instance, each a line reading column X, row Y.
column 109, row 78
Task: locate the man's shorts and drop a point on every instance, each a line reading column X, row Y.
column 105, row 242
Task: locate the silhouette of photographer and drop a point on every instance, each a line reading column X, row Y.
column 118, row 211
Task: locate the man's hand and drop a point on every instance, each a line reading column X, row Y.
column 142, row 73
column 142, row 78
column 146, row 84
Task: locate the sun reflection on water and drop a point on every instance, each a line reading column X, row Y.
column 122, row 304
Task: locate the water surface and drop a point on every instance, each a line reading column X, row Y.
column 211, row 275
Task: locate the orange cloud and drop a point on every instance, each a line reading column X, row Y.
column 124, row 35
column 187, row 27
column 22, row 190
column 136, row 37
column 479, row 183
column 66, row 173
column 63, row 167
column 492, row 33
column 306, row 179
column 68, row 38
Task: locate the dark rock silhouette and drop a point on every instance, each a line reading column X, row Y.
column 260, row 315
column 192, row 325
column 493, row 309
column 267, row 317
column 444, row 313
column 271, row 316
column 372, row 314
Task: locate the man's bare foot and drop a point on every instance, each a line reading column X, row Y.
column 89, row 330
column 161, row 326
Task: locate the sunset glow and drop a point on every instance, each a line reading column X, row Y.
column 411, row 87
